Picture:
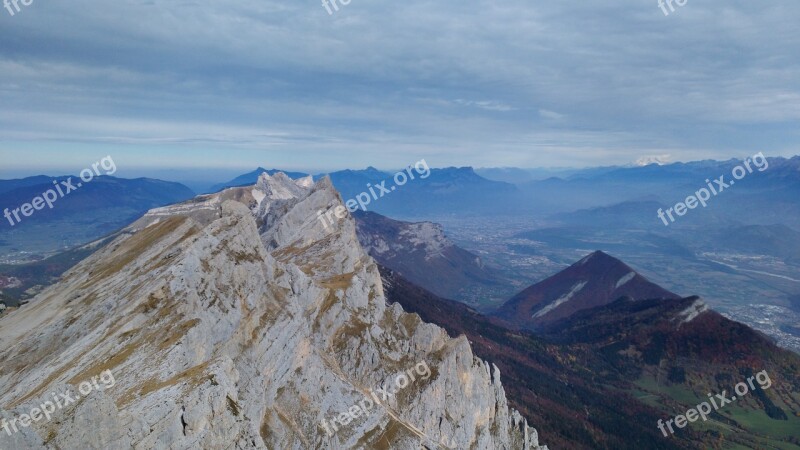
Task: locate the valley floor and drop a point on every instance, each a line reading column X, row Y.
column 752, row 289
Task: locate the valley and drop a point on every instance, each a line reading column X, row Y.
column 756, row 292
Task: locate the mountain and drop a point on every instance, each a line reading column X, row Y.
column 604, row 377
column 595, row 280
column 507, row 174
column 741, row 243
column 352, row 182
column 240, row 320
column 102, row 192
column 574, row 410
column 640, row 214
column 504, row 191
column 680, row 350
column 250, row 178
column 517, row 175
column 661, row 329
column 420, row 191
column 423, row 254
column 10, row 185
column 447, row 191
column 88, row 212
column 769, row 192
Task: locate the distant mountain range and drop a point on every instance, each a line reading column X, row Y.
column 628, row 214
column 95, row 209
column 543, row 192
column 593, row 356
column 452, row 190
column 769, row 196
column 449, row 191
column 101, row 192
column 744, row 241
column 10, row 185
column 250, row 178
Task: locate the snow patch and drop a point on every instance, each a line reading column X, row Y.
column 694, row 310
column 625, row 279
column 561, row 300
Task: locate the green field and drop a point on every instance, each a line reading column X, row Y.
column 747, row 427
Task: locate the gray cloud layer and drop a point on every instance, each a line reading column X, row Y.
column 482, row 83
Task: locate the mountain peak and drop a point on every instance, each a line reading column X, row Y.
column 276, row 187
column 230, row 321
column 251, row 178
column 305, row 182
column 597, row 279
column 324, row 183
column 599, row 257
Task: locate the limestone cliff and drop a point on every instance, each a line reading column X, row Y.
column 241, row 320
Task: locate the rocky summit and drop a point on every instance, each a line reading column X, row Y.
column 240, row 320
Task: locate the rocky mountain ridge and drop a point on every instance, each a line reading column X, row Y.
column 239, row 320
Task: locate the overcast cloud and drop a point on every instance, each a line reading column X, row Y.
column 483, row 83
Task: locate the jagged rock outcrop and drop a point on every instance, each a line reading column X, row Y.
column 241, row 320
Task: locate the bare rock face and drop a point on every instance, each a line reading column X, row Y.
column 241, row 320
column 421, row 253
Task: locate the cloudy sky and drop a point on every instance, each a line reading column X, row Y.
column 485, row 83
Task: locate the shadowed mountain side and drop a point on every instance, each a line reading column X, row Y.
column 569, row 405
column 603, row 377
